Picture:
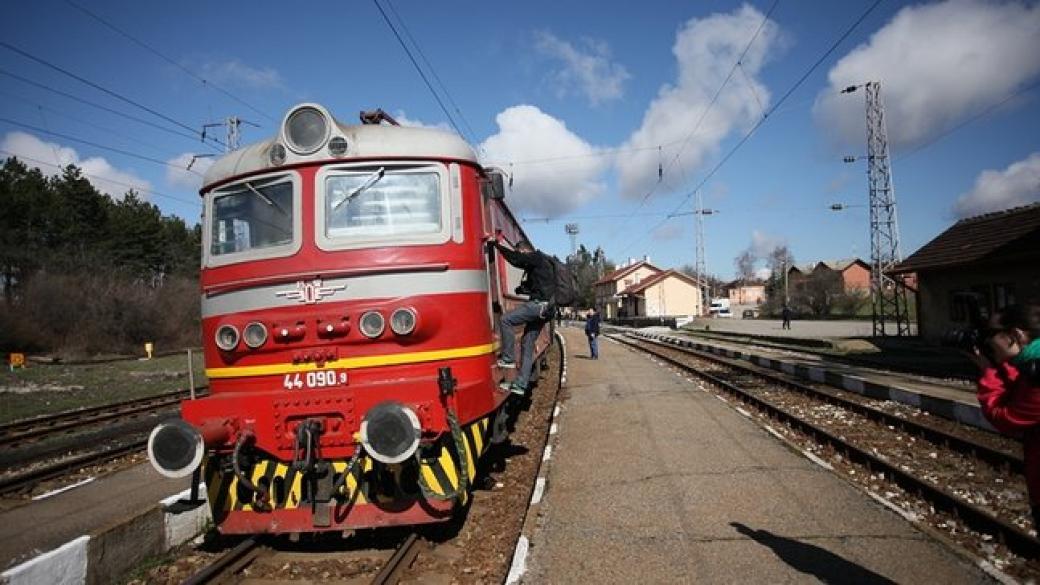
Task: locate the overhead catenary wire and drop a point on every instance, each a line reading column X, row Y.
column 433, row 71
column 105, row 90
column 765, row 116
column 714, row 99
column 415, row 63
column 40, row 107
column 162, row 56
column 976, row 116
column 103, row 179
column 103, row 107
column 96, row 145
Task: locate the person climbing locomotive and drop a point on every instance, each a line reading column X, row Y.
column 539, row 284
column 1009, row 385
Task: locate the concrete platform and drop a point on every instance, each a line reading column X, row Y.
column 952, row 400
column 654, row 481
column 97, row 532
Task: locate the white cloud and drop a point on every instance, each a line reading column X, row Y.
column 101, row 174
column 234, row 72
column 936, row 63
column 589, row 71
column 181, row 176
column 404, row 120
column 1019, row 184
column 763, row 273
column 525, row 133
column 706, row 49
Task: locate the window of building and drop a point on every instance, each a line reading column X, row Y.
column 1003, row 295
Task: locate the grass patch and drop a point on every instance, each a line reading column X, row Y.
column 44, row 389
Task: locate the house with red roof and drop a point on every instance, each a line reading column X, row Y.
column 608, row 303
column 665, row 294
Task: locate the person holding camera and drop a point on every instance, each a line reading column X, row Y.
column 538, row 283
column 1009, row 386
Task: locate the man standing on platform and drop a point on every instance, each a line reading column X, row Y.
column 592, row 332
column 786, row 315
column 540, row 284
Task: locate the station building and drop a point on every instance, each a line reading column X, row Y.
column 993, row 258
column 608, row 302
column 665, row 294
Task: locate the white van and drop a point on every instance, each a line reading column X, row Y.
column 719, row 308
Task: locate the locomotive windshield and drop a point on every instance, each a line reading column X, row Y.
column 382, row 204
column 251, row 216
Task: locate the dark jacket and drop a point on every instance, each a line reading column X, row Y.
column 592, row 324
column 540, row 276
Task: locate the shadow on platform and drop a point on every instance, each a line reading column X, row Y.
column 812, row 560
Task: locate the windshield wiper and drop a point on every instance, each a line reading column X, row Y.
column 264, row 198
column 371, row 180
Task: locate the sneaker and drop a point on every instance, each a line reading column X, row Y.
column 504, row 363
column 512, row 387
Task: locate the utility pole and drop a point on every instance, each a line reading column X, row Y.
column 699, row 262
column 232, row 124
column 889, row 298
column 572, row 231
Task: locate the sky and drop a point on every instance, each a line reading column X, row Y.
column 614, row 118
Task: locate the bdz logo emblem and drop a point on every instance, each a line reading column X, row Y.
column 310, row 291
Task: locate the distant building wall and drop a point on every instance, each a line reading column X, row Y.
column 752, row 294
column 856, row 276
column 672, row 296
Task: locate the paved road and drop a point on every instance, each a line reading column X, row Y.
column 655, row 481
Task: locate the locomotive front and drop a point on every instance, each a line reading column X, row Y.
column 347, row 329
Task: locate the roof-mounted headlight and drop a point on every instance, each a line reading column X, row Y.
column 307, row 129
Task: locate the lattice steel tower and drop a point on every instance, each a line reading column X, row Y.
column 891, row 313
column 700, row 266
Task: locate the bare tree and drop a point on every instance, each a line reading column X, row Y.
column 745, row 264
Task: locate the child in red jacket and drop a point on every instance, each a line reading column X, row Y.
column 1009, row 390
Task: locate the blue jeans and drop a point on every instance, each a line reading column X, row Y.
column 593, row 345
column 532, row 316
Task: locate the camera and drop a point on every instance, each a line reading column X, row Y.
column 974, row 338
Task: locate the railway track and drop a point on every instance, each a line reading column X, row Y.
column 25, row 481
column 228, row 567
column 848, row 440
column 16, row 433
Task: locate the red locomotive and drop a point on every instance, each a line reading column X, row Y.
column 350, row 315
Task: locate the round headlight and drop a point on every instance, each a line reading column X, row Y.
column 402, row 321
column 338, row 146
column 306, row 130
column 255, row 334
column 277, row 154
column 372, row 324
column 390, row 432
column 227, row 337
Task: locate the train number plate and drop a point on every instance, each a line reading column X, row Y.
column 319, row 379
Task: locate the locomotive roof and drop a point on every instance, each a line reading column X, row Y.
column 364, row 141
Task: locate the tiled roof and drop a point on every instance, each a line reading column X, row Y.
column 840, row 265
column 625, row 271
column 651, row 281
column 1009, row 235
